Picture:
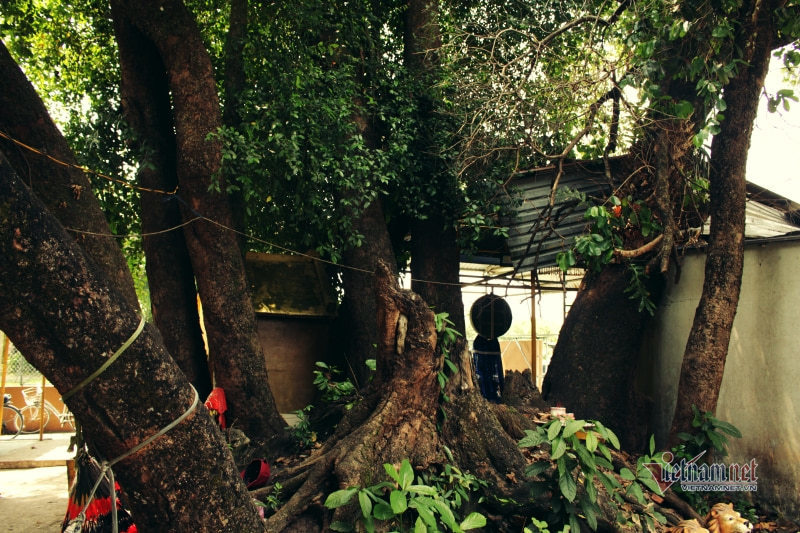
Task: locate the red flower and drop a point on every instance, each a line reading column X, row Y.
column 617, row 210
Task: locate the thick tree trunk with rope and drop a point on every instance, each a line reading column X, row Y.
column 235, row 354
column 68, row 319
column 63, row 187
column 173, row 296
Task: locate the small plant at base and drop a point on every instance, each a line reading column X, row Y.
column 272, row 502
column 447, row 337
column 333, row 391
column 302, row 429
column 578, row 463
column 712, row 435
column 540, row 525
column 428, row 506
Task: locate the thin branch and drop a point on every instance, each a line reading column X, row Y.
column 640, row 251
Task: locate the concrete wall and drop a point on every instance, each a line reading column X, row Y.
column 291, row 347
column 760, row 391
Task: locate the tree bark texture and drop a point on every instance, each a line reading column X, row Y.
column 594, row 375
column 67, row 319
column 173, row 297
column 435, row 267
column 235, row 354
column 359, row 308
column 707, row 346
column 64, row 189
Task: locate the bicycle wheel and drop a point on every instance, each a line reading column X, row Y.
column 30, row 417
column 12, row 421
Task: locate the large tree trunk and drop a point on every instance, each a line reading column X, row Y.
column 435, row 254
column 358, row 305
column 67, row 320
column 401, row 418
column 594, row 374
column 173, row 297
column 435, row 267
column 707, row 347
column 236, row 357
column 63, row 188
column 358, row 310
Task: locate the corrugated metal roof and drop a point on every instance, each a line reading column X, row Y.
column 537, row 234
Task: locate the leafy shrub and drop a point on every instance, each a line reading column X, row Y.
column 401, row 502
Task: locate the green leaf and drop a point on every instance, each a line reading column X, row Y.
column 608, row 481
column 611, row 438
column 553, row 429
column 604, row 450
column 559, row 447
column 531, row 439
column 590, row 514
column 651, row 484
column 392, row 471
column 684, row 109
column 339, row 497
column 419, row 526
column 423, row 507
column 591, row 490
column 625, row 473
column 635, row 490
column 398, row 501
column 365, row 503
column 728, row 428
column 591, row 441
column 587, row 458
column 574, row 525
column 341, row 527
column 383, row 512
column 406, row 474
column 537, row 468
column 423, row 490
column 445, row 513
column 573, row 426
column 602, row 461
column 569, row 489
column 472, row 521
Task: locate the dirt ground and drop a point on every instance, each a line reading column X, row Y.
column 33, row 499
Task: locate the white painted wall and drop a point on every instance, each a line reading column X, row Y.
column 760, row 391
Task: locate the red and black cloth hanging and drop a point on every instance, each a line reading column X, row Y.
column 98, row 515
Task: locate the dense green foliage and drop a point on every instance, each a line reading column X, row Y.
column 332, row 118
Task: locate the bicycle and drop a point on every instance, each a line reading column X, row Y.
column 31, row 413
column 13, row 420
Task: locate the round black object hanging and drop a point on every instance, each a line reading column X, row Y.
column 491, row 316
